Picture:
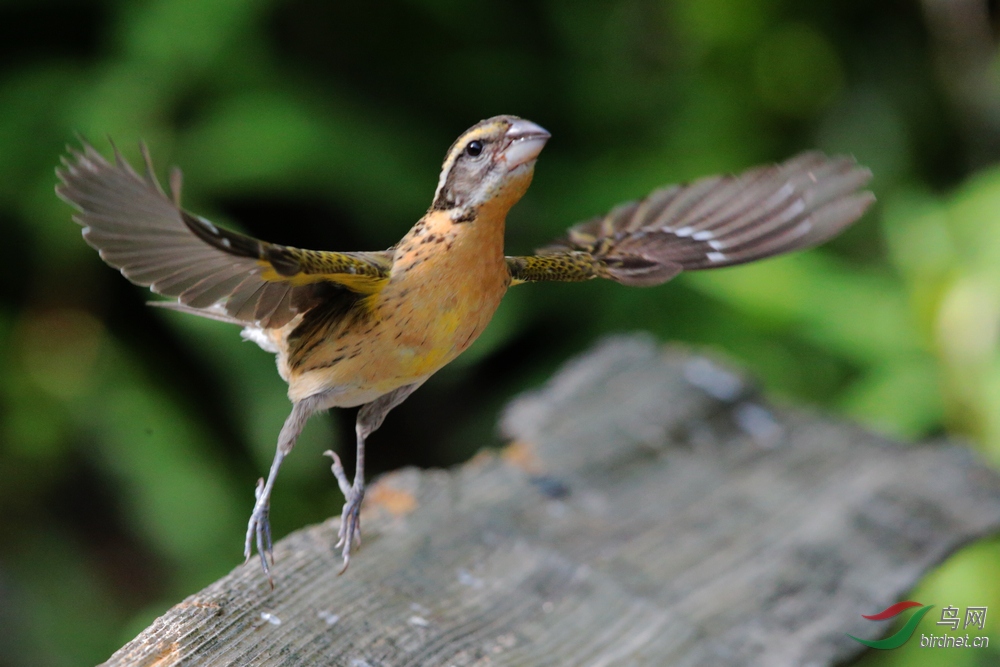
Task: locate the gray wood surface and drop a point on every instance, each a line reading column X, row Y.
column 651, row 509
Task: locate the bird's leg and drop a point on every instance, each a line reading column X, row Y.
column 350, row 515
column 370, row 417
column 259, row 528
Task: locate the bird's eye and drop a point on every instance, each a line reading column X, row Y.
column 474, row 148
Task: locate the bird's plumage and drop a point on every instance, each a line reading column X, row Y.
column 368, row 328
column 138, row 229
column 713, row 222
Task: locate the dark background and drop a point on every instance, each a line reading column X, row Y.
column 130, row 438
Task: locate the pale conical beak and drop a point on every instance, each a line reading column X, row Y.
column 526, row 141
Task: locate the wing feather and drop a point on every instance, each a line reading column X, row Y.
column 129, row 219
column 713, row 222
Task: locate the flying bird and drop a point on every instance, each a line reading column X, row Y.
column 368, row 328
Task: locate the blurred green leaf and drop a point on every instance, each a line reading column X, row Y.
column 798, row 71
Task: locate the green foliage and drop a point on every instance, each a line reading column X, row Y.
column 130, row 440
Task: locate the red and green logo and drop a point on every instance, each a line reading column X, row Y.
column 904, row 633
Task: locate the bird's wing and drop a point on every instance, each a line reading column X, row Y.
column 136, row 228
column 713, row 222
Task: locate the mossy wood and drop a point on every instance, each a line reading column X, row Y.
column 651, row 509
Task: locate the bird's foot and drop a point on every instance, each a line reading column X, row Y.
column 350, row 517
column 259, row 531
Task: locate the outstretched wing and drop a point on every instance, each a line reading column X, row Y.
column 713, row 222
column 136, row 228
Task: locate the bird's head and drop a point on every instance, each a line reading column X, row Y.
column 490, row 163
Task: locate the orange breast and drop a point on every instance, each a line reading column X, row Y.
column 447, row 280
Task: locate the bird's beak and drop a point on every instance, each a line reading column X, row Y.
column 525, row 141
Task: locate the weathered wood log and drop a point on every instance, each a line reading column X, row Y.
column 651, row 510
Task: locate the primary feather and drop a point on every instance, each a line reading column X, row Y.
column 719, row 221
column 136, row 228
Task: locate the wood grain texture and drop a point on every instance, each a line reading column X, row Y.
column 651, row 510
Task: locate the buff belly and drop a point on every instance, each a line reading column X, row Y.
column 428, row 314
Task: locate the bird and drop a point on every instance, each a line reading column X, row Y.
column 368, row 328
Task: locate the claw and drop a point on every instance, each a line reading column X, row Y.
column 350, row 523
column 267, row 540
column 252, row 524
column 262, row 553
column 350, row 517
column 338, row 471
column 259, row 533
